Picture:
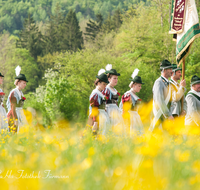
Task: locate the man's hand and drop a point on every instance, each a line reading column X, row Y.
column 183, row 83
column 183, row 113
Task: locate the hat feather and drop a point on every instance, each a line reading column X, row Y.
column 17, row 70
column 135, row 73
column 101, row 71
column 108, row 67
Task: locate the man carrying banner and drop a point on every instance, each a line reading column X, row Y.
column 162, row 95
column 193, row 103
column 178, row 91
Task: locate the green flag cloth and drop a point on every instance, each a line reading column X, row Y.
column 191, row 29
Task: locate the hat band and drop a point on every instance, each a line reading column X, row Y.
column 176, row 69
column 166, row 67
column 195, row 82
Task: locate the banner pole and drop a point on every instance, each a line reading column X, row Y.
column 183, row 77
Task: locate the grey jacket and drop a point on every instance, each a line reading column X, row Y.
column 193, row 109
column 160, row 92
column 177, row 94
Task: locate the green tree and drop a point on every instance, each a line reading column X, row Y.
column 31, row 38
column 29, row 67
column 55, row 32
column 117, row 19
column 13, row 13
column 57, row 97
column 112, row 22
column 11, row 57
column 73, row 33
column 93, row 27
column 108, row 25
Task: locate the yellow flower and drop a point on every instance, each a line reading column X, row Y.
column 72, row 141
column 48, row 139
column 196, row 166
column 182, row 156
column 91, row 151
column 64, row 145
column 87, row 163
column 147, row 163
column 29, row 116
column 118, row 171
column 193, row 180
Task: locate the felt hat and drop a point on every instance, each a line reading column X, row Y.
column 194, row 80
column 109, row 70
column 137, row 79
column 19, row 75
column 102, row 76
column 175, row 68
column 165, row 64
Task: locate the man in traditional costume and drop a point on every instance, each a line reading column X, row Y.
column 193, row 103
column 178, row 91
column 162, row 95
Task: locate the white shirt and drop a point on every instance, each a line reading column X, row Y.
column 165, row 78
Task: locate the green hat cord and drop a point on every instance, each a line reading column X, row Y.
column 175, row 68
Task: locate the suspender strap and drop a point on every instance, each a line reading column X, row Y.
column 194, row 95
column 175, row 88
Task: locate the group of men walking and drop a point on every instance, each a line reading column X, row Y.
column 167, row 95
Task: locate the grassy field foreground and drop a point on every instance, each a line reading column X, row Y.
column 69, row 157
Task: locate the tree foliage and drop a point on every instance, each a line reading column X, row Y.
column 72, row 34
column 13, row 13
column 31, row 38
column 93, row 27
column 10, row 57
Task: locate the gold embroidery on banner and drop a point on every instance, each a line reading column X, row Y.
column 197, row 28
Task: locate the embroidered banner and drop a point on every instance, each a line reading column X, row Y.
column 191, row 31
column 178, row 16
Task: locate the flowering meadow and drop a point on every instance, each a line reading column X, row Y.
column 67, row 156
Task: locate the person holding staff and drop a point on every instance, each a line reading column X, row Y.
column 178, row 91
column 15, row 102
